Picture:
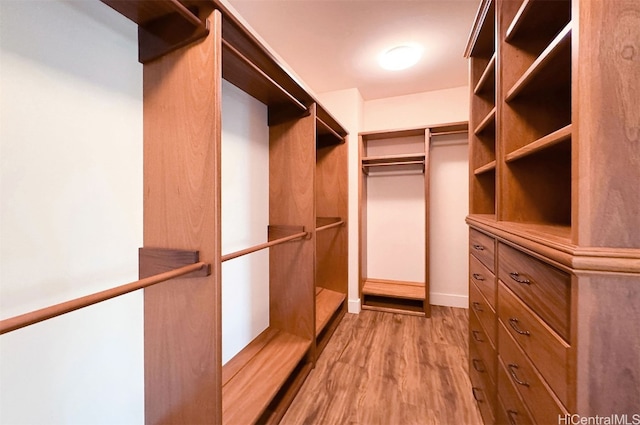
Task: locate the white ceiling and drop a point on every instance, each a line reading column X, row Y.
column 333, row 44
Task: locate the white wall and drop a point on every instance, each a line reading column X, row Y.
column 70, row 212
column 245, row 217
column 448, row 233
column 417, row 110
column 396, row 242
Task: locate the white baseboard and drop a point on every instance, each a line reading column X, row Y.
column 354, row 306
column 449, row 300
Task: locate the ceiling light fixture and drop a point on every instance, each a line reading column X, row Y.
column 400, row 57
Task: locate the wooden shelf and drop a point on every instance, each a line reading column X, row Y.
column 328, row 131
column 163, row 25
column 489, row 120
column 326, row 136
column 560, row 48
column 255, row 375
column 543, row 143
column 240, row 71
column 560, row 233
column 327, row 303
column 447, row 129
column 537, row 18
column 372, row 161
column 482, row 37
column 485, row 218
column 487, row 80
column 394, row 289
column 491, row 166
column 411, row 162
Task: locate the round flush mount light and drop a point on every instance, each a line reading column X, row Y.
column 400, row 57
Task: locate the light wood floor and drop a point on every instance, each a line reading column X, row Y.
column 391, row 369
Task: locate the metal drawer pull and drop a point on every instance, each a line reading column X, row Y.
column 514, row 325
column 476, row 306
column 475, row 336
column 477, row 276
column 516, row 276
column 473, row 390
column 512, row 414
column 512, row 372
column 475, row 363
column 478, row 247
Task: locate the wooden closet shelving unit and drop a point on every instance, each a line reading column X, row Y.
column 331, row 210
column 397, row 151
column 554, row 210
column 187, row 48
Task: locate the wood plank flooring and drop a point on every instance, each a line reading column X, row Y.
column 391, row 369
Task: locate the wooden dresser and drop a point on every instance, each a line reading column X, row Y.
column 554, row 239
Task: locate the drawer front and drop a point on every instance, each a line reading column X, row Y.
column 483, row 247
column 542, row 287
column 479, row 339
column 484, row 279
column 548, row 352
column 511, row 410
column 544, row 407
column 484, row 312
column 484, row 392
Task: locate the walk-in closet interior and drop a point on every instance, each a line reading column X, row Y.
column 269, row 228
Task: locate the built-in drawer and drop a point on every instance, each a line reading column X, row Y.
column 484, row 312
column 542, row 287
column 483, row 247
column 484, row 279
column 543, row 405
column 510, row 409
column 484, row 391
column 486, row 350
column 548, row 352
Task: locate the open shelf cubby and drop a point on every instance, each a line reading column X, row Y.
column 484, row 79
column 331, row 203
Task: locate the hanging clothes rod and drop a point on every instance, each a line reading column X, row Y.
column 446, row 133
column 46, row 313
column 329, row 226
column 261, row 246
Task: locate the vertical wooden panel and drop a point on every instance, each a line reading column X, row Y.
column 362, row 218
column 332, row 201
column 608, row 363
column 182, row 97
column 427, row 249
column 605, row 108
column 291, row 202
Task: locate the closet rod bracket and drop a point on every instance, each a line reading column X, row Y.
column 152, row 261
